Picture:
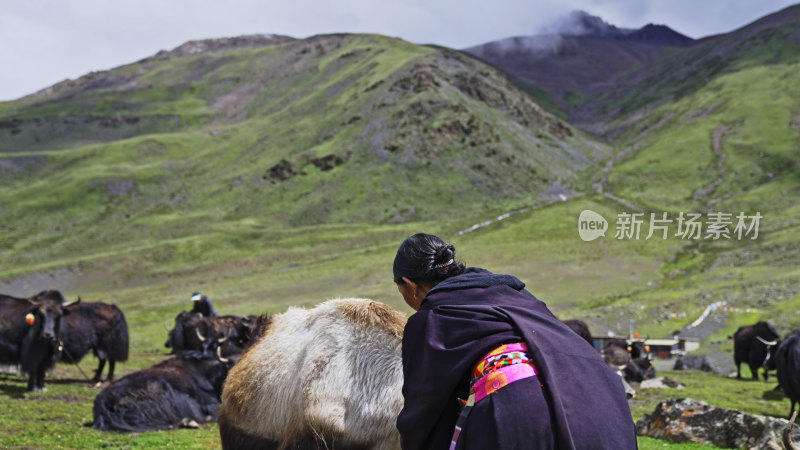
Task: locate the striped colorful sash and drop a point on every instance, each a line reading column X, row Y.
column 500, row 367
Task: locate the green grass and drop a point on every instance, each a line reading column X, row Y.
column 754, row 397
column 574, row 98
column 61, row 418
column 677, row 160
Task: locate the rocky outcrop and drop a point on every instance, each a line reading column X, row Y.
column 220, row 44
column 281, row 171
column 661, row 382
column 688, row 420
column 693, row 362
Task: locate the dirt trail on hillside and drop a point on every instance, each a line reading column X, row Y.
column 601, row 186
column 717, row 139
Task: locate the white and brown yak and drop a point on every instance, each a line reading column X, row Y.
column 328, row 377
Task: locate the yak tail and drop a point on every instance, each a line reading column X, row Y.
column 118, row 350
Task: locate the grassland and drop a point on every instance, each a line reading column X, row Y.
column 304, row 266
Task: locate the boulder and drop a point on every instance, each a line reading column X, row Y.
column 688, row 420
column 629, row 391
column 693, row 362
column 661, row 382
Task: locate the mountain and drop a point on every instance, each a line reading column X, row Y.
column 580, row 57
column 712, row 129
column 704, row 127
column 332, row 129
column 771, row 40
column 290, row 170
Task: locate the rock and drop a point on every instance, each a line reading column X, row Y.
column 188, row 423
column 282, row 171
column 661, row 382
column 629, row 391
column 121, row 188
column 693, row 362
column 327, row 162
column 688, row 420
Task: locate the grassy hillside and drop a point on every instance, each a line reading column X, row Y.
column 710, row 128
column 249, row 142
column 726, row 141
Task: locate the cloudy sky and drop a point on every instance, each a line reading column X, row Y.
column 46, row 41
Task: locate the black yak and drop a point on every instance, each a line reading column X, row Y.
column 98, row 327
column 176, row 391
column 30, row 335
column 753, row 344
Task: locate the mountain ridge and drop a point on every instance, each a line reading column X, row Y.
column 578, row 58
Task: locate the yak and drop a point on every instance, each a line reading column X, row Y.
column 328, row 377
column 30, row 334
column 787, row 363
column 49, row 295
column 581, row 329
column 98, row 327
column 754, row 344
column 177, row 391
column 194, row 331
column 632, row 361
column 616, row 354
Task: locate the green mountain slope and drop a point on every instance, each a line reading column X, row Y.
column 709, row 128
column 192, row 154
column 715, row 130
column 311, row 160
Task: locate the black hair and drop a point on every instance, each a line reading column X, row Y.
column 425, row 258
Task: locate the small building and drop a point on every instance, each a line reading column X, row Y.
column 601, row 341
column 663, row 348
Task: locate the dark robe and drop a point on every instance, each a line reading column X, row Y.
column 575, row 396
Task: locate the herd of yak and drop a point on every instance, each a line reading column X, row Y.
column 326, row 376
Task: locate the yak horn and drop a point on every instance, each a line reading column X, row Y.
column 223, row 339
column 787, row 433
column 219, row 356
column 166, row 325
column 767, row 343
column 199, row 336
column 74, row 302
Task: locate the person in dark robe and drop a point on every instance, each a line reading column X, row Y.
column 203, row 305
column 486, row 365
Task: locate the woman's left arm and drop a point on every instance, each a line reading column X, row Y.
column 430, row 410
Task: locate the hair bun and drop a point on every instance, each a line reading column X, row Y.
column 444, row 255
column 425, row 258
